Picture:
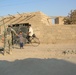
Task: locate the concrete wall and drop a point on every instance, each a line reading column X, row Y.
column 59, row 34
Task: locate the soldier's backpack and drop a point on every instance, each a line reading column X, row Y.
column 8, row 30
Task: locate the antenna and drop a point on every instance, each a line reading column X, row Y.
column 11, row 15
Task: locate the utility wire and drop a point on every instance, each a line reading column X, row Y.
column 22, row 3
column 16, row 4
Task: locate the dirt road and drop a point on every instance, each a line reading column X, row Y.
column 46, row 59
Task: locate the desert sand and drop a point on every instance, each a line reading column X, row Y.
column 45, row 59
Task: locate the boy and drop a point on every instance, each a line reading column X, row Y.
column 21, row 40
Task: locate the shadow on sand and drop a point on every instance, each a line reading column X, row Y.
column 34, row 66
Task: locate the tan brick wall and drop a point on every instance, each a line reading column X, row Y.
column 59, row 34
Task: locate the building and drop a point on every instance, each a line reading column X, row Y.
column 34, row 18
column 59, row 20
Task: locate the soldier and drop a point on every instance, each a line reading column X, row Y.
column 8, row 39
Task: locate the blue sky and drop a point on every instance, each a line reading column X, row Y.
column 49, row 7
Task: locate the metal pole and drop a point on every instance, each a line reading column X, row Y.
column 19, row 14
column 4, row 33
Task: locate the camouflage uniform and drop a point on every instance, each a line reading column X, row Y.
column 8, row 40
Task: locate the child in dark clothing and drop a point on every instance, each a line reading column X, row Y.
column 21, row 39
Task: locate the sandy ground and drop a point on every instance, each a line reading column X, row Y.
column 45, row 59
